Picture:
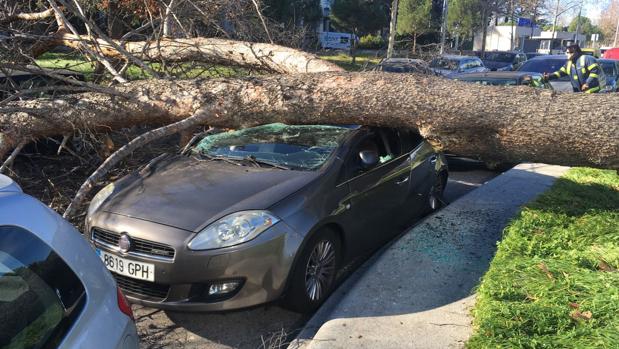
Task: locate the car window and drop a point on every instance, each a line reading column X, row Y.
column 472, row 63
column 410, row 140
column 609, row 68
column 444, row 63
column 300, row 147
column 504, row 57
column 493, row 82
column 371, row 141
column 391, row 140
column 40, row 296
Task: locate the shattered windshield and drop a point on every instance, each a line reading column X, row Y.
column 299, row 147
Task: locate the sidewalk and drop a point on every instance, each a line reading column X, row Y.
column 418, row 291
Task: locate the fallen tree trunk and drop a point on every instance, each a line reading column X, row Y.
column 488, row 122
column 258, row 56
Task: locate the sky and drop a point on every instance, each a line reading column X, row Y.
column 593, row 9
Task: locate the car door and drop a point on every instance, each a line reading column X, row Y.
column 421, row 158
column 378, row 193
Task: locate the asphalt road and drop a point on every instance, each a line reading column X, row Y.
column 266, row 326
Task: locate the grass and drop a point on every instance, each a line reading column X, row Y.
column 554, row 282
column 77, row 63
column 345, row 61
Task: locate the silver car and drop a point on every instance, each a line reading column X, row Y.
column 54, row 291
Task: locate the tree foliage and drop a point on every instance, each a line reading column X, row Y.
column 414, row 17
column 464, row 17
column 586, row 26
column 360, row 16
column 293, row 11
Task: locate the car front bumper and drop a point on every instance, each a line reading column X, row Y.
column 261, row 266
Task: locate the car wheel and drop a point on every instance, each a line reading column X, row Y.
column 435, row 196
column 313, row 276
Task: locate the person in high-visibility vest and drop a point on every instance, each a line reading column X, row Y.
column 584, row 71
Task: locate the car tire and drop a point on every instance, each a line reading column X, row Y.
column 314, row 274
column 435, row 196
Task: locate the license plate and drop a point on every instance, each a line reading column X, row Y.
column 127, row 267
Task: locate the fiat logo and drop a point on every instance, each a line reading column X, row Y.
column 124, row 243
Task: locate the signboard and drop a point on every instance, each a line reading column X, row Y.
column 336, row 40
column 525, row 22
column 595, row 37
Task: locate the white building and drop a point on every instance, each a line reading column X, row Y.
column 499, row 38
column 556, row 42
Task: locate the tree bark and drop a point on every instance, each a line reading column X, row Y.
column 268, row 57
column 489, row 122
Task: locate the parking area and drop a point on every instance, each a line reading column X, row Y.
column 268, row 326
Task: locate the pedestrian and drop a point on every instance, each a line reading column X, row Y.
column 584, row 71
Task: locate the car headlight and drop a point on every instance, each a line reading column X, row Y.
column 100, row 198
column 233, row 229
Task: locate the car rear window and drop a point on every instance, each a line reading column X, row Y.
column 543, row 66
column 40, row 296
column 500, row 57
column 300, row 147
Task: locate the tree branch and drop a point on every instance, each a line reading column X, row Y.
column 36, row 16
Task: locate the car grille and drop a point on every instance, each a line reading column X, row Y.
column 142, row 288
column 142, row 247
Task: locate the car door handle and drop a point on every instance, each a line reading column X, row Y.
column 402, row 181
column 433, row 159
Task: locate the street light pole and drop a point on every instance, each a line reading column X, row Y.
column 616, row 32
column 444, row 27
column 392, row 27
column 578, row 23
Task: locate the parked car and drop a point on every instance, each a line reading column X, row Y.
column 550, row 64
column 249, row 216
column 452, row 64
column 595, row 52
column 504, row 78
column 612, row 53
column 54, row 291
column 404, row 65
column 502, row 60
column 611, row 70
column 534, row 54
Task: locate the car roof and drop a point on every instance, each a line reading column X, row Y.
column 402, row 60
column 458, row 57
column 7, row 185
column 541, row 57
column 494, row 74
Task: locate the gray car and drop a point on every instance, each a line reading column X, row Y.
column 446, row 65
column 251, row 216
column 54, row 291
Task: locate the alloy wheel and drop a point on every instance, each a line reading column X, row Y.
column 320, row 269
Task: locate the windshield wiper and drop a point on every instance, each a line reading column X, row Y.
column 258, row 162
column 221, row 158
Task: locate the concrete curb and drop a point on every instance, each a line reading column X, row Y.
column 417, row 291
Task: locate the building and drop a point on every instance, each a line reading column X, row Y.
column 499, row 38
column 553, row 43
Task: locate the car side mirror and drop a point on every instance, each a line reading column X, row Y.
column 369, row 158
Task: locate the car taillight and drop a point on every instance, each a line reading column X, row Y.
column 123, row 304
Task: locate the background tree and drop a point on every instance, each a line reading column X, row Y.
column 360, row 17
column 586, row 26
column 463, row 19
column 414, row 18
column 608, row 23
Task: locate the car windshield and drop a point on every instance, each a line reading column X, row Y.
column 299, row 147
column 504, row 57
column 543, row 66
column 444, row 63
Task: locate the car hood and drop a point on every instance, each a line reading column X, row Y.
column 188, row 193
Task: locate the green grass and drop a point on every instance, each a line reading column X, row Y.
column 554, row 281
column 345, row 61
column 77, row 63
column 66, row 61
